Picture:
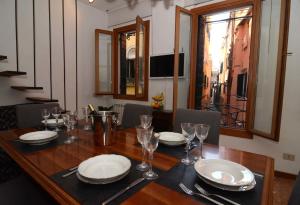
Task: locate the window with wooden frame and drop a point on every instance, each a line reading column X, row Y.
column 103, row 62
column 253, row 56
column 130, row 59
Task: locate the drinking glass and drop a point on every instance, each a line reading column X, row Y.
column 151, row 143
column 146, row 121
column 45, row 115
column 67, row 123
column 201, row 131
column 141, row 134
column 56, row 113
column 188, row 131
column 73, row 122
column 87, row 125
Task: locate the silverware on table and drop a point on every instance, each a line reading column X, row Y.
column 136, row 182
column 190, row 192
column 69, row 173
column 73, row 168
column 203, row 191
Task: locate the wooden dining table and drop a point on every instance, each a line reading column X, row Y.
column 42, row 164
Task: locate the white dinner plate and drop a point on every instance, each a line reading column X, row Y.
column 105, row 168
column 38, row 137
column 52, row 122
column 171, row 138
column 224, row 172
column 230, row 188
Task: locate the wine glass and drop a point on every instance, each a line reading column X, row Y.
column 56, row 111
column 67, row 123
column 45, row 115
column 151, row 143
column 188, row 131
column 73, row 122
column 141, row 134
column 87, row 125
column 201, row 131
column 146, row 121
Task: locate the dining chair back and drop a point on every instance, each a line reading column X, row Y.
column 30, row 115
column 211, row 118
column 295, row 196
column 132, row 112
column 23, row 190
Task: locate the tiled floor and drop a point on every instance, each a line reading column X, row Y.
column 282, row 190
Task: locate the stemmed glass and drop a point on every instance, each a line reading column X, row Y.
column 151, row 143
column 87, row 125
column 141, row 134
column 45, row 115
column 73, row 121
column 56, row 113
column 67, row 123
column 201, row 131
column 188, row 131
column 146, row 121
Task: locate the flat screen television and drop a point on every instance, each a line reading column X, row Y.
column 163, row 66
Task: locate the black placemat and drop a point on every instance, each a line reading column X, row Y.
column 90, row 194
column 188, row 176
column 26, row 148
column 174, row 151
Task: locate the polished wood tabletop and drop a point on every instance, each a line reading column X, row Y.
column 40, row 165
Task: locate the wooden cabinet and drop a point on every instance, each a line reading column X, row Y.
column 162, row 120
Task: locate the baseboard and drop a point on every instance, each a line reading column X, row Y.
column 285, row 175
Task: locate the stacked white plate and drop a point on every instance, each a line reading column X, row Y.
column 103, row 169
column 38, row 137
column 171, row 138
column 52, row 122
column 225, row 175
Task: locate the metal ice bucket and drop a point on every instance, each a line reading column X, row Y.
column 104, row 124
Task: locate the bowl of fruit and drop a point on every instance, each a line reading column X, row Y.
column 157, row 102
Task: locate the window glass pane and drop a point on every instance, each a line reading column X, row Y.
column 105, row 62
column 141, row 65
column 184, row 51
column 266, row 75
column 126, row 50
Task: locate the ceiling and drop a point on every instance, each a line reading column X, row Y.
column 108, row 5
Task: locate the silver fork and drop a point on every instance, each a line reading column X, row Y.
column 202, row 191
column 190, row 192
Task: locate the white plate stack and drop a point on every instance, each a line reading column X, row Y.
column 225, row 175
column 171, row 138
column 38, row 137
column 103, row 169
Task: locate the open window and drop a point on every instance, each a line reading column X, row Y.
column 236, row 64
column 129, row 56
column 103, row 62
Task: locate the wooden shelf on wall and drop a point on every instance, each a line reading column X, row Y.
column 38, row 99
column 8, row 73
column 24, row 88
column 3, row 57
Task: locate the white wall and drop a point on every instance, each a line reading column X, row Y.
column 89, row 18
column 162, row 41
column 162, row 27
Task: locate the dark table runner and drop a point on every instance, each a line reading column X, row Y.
column 90, row 194
column 188, row 176
column 26, row 148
